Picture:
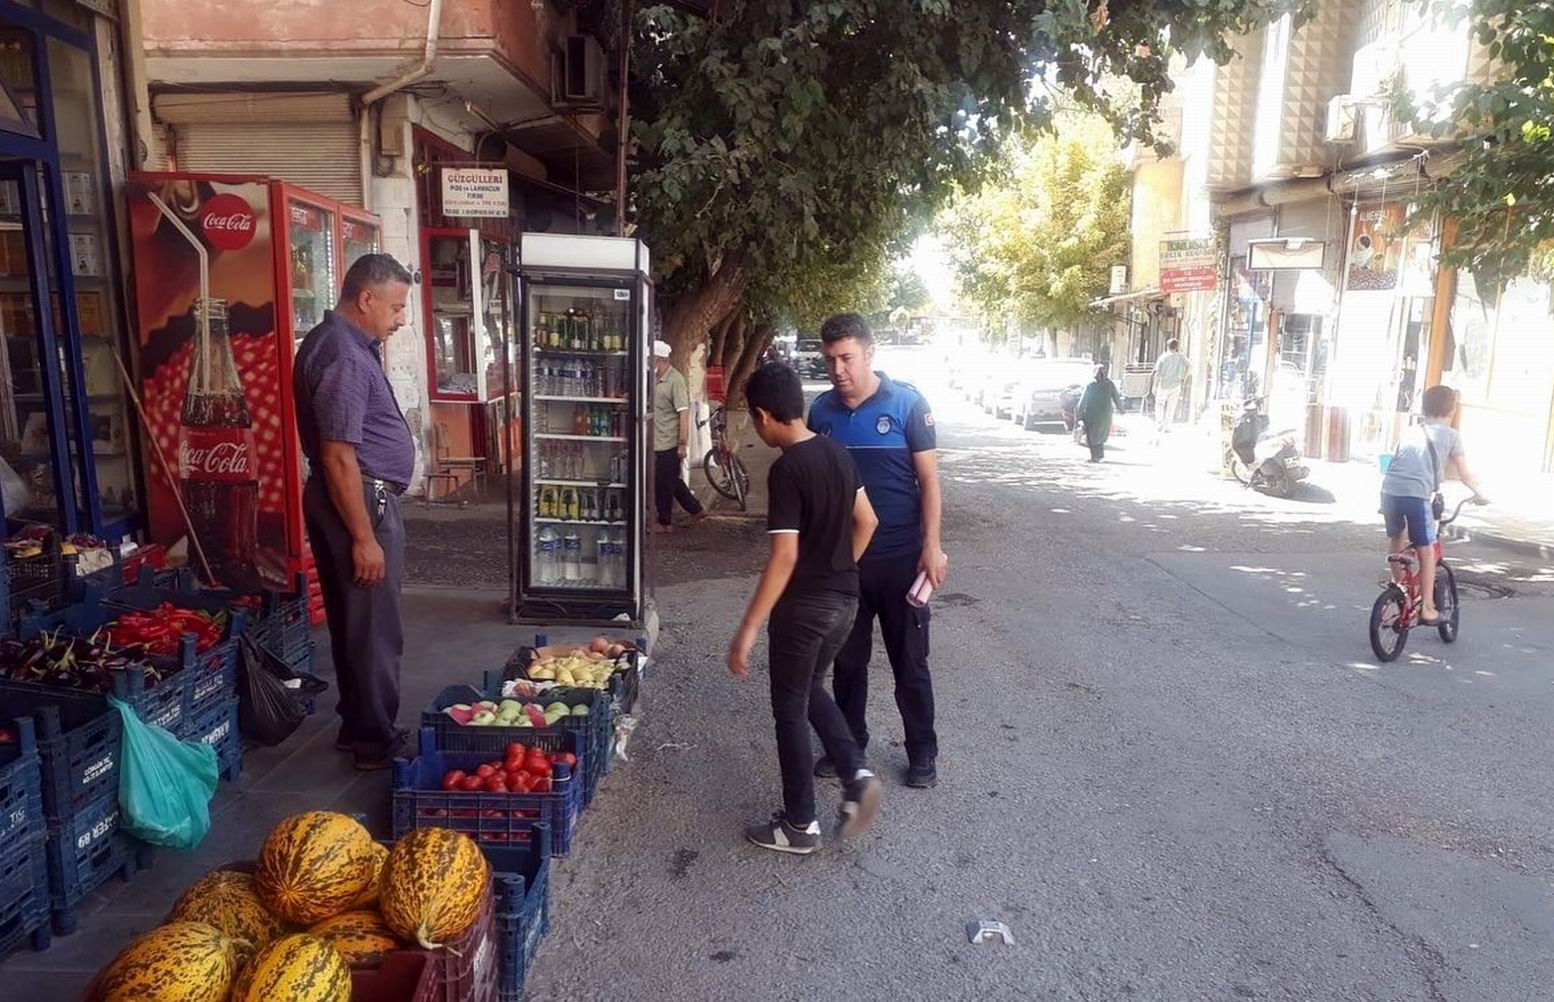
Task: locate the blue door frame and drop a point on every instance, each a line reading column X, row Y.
column 75, row 473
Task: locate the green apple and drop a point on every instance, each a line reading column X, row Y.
column 580, row 710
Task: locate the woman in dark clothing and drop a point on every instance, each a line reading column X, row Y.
column 1100, row 401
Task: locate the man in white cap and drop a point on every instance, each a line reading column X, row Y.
column 671, row 440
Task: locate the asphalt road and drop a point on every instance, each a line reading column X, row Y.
column 1169, row 765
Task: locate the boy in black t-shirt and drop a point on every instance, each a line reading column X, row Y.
column 819, row 523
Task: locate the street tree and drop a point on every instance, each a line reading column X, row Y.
column 1501, row 198
column 785, row 143
column 1037, row 243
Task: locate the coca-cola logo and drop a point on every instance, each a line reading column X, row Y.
column 214, row 460
column 229, row 222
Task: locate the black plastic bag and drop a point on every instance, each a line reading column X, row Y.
column 272, row 697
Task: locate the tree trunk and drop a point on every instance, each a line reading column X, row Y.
column 756, row 343
column 733, row 342
column 693, row 315
column 719, row 336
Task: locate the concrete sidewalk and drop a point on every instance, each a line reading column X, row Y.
column 758, row 459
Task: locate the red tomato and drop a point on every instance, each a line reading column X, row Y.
column 521, row 782
column 541, row 784
column 539, row 765
column 470, row 783
column 451, row 780
column 485, row 770
column 516, row 748
column 567, row 759
column 513, row 762
column 496, row 784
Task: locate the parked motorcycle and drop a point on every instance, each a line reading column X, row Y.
column 1265, row 461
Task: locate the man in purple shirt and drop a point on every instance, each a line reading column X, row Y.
column 361, row 459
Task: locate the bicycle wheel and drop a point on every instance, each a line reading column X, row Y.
column 741, row 479
column 1387, row 638
column 1446, row 603
column 720, row 478
column 1239, row 470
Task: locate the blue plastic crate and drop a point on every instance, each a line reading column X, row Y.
column 492, row 819
column 213, row 671
column 219, row 729
column 83, row 851
column 596, row 731
column 21, row 790
column 24, row 898
column 163, row 703
column 79, row 738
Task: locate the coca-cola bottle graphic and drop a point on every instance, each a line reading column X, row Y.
column 216, row 463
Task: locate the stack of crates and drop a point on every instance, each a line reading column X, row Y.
column 80, row 740
column 24, row 871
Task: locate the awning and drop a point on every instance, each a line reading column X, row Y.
column 1153, row 292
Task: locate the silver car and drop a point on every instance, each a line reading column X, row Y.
column 1038, row 399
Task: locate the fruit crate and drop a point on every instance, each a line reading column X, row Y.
column 213, row 679
column 83, row 851
column 21, row 789
column 494, row 820
column 164, row 703
column 24, row 898
column 403, row 976
column 219, row 729
column 79, row 737
column 39, row 583
column 596, row 731
column 625, row 683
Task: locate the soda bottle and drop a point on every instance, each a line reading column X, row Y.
column 217, row 473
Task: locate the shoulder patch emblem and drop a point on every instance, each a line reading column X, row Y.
column 883, row 425
column 928, row 419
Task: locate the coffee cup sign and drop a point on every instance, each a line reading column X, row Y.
column 477, row 192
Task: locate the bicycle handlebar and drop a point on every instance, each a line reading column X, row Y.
column 1474, row 498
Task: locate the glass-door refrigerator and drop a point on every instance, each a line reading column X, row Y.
column 586, row 309
column 231, row 272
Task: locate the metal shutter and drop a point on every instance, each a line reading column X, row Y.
column 307, row 138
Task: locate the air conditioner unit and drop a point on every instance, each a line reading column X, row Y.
column 583, row 73
column 1342, row 117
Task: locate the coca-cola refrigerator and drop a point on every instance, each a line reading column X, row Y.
column 586, row 310
column 231, row 272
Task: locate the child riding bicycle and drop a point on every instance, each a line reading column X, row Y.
column 1428, row 453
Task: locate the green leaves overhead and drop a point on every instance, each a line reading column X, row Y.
column 807, row 140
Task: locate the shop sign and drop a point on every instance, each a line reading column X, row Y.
column 478, row 192
column 1119, row 282
column 228, row 222
column 1376, row 247
column 1188, row 264
column 1286, row 254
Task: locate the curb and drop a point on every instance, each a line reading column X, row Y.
column 1525, row 547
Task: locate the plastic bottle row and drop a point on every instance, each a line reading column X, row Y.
column 577, row 377
column 568, row 560
column 572, row 461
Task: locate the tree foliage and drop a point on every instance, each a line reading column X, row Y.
column 1502, row 198
column 1038, row 245
column 788, row 145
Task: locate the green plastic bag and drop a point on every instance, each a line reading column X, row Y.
column 165, row 785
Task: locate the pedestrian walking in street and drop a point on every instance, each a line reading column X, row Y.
column 1429, row 452
column 1167, row 382
column 888, row 429
column 361, row 459
column 819, row 521
column 671, row 441
column 1096, row 409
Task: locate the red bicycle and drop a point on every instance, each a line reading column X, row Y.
column 1400, row 605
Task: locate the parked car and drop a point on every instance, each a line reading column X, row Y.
column 807, row 359
column 1038, row 397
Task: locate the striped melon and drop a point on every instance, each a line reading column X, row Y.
column 369, row 897
column 178, row 962
column 361, row 936
column 227, row 900
column 433, row 887
column 314, row 865
column 296, row 968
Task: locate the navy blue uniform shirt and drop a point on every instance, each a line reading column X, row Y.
column 882, row 436
column 343, row 395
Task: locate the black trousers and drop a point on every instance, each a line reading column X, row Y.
column 365, row 636
column 882, row 589
column 669, row 488
column 805, row 632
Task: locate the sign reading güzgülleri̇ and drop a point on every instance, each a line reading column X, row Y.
column 474, row 191
column 1188, row 264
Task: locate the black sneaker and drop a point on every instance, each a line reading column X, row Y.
column 922, row 775
column 780, row 836
column 860, row 802
column 825, row 768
